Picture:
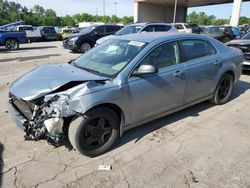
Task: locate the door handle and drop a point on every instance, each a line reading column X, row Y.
column 218, row 63
column 178, row 74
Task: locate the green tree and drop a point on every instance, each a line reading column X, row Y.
column 37, row 9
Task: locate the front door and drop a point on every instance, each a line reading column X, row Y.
column 157, row 93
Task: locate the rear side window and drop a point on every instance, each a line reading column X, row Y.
column 193, row 49
column 179, row 26
column 50, row 30
column 187, row 26
column 25, row 28
column 162, row 27
column 112, row 29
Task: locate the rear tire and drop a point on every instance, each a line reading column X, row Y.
column 95, row 132
column 12, row 44
column 223, row 90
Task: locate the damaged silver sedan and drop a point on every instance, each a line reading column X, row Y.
column 120, row 84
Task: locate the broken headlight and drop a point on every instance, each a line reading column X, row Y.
column 60, row 105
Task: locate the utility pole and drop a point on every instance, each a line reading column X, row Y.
column 104, row 8
column 115, row 3
column 18, row 11
column 175, row 8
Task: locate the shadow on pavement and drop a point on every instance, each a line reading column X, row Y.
column 22, row 48
column 1, row 163
column 139, row 132
column 240, row 88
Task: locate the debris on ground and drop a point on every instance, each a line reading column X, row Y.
column 105, row 167
column 190, row 178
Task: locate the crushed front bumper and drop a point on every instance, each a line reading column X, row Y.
column 17, row 117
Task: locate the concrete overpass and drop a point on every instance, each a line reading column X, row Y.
column 163, row 10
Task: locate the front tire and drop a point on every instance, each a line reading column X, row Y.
column 223, row 90
column 95, row 132
column 12, row 44
column 85, row 46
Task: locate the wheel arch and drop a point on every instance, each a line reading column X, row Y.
column 111, row 106
column 231, row 72
column 12, row 39
column 92, row 43
column 116, row 109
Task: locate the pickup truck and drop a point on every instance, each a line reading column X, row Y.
column 31, row 33
column 12, row 39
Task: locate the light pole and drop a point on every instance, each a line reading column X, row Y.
column 115, row 3
column 175, row 7
column 104, row 8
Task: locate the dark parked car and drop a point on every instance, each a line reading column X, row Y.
column 222, row 33
column 120, row 84
column 48, row 33
column 195, row 28
column 244, row 45
column 87, row 38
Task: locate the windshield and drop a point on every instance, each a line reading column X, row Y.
column 87, row 30
column 129, row 30
column 246, row 36
column 109, row 58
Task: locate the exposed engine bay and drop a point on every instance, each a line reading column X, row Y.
column 44, row 117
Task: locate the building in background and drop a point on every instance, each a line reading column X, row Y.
column 163, row 10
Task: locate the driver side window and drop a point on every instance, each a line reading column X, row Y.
column 163, row 56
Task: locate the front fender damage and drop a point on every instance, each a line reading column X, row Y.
column 44, row 120
column 47, row 117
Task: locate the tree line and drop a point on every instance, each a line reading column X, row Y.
column 202, row 19
column 11, row 12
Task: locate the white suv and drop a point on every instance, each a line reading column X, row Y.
column 140, row 28
column 183, row 27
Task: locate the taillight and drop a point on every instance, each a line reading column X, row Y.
column 42, row 33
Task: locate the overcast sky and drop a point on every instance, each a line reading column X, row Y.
column 124, row 7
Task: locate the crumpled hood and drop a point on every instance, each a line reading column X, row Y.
column 239, row 42
column 47, row 78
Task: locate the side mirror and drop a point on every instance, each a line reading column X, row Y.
column 145, row 70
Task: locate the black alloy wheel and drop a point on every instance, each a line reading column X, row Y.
column 223, row 90
column 93, row 133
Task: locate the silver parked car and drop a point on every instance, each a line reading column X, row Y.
column 120, row 84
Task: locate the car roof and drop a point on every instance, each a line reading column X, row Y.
column 153, row 36
column 149, row 23
column 105, row 25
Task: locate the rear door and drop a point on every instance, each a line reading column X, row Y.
column 203, row 63
column 111, row 29
column 154, row 94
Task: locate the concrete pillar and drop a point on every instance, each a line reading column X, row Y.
column 136, row 12
column 149, row 12
column 236, row 13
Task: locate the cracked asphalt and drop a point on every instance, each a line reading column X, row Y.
column 211, row 141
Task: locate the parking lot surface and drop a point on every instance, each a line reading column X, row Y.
column 210, row 141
